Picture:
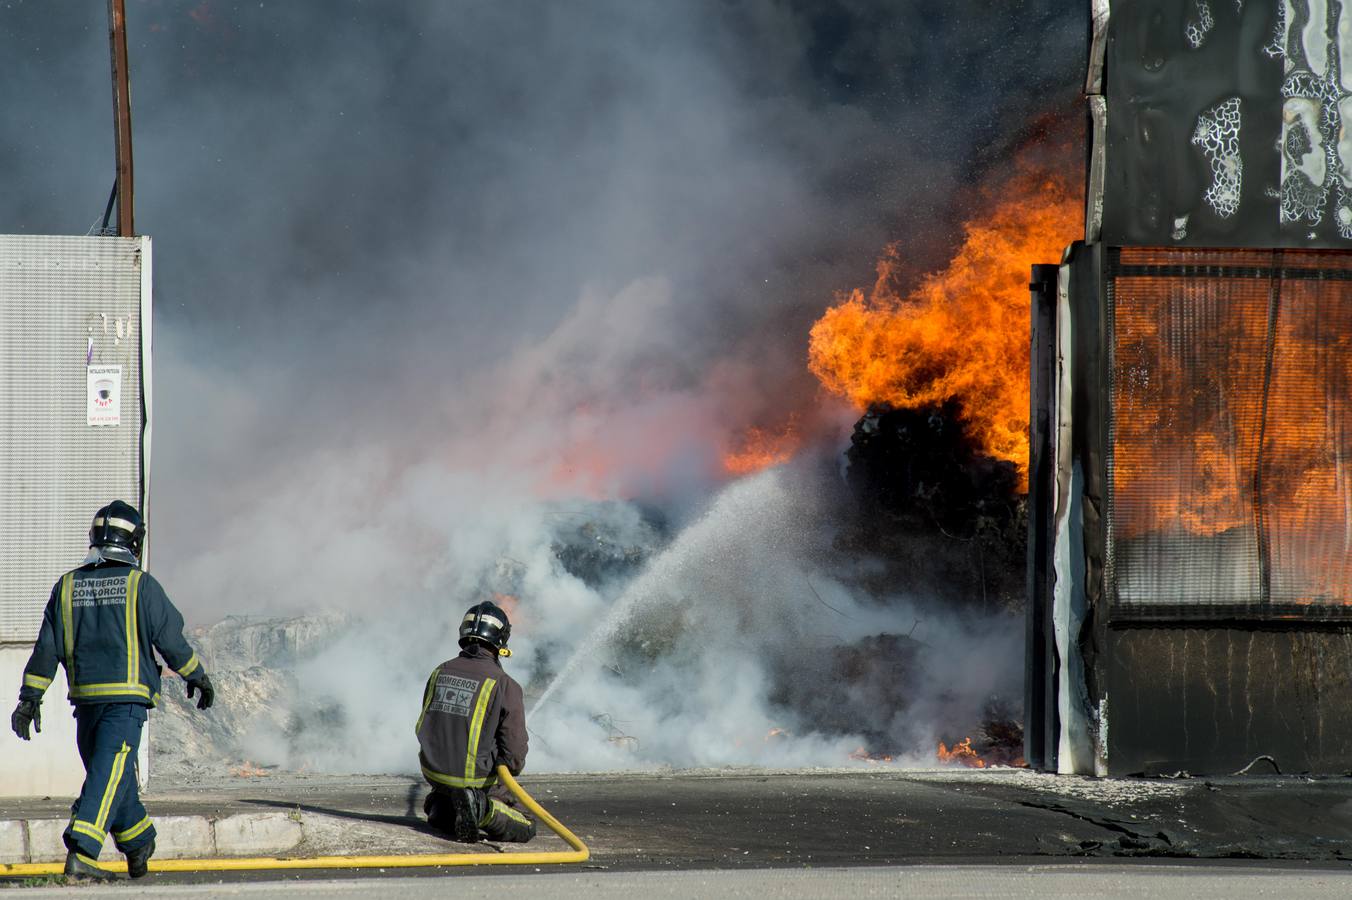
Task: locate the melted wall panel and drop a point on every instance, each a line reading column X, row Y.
column 1225, row 124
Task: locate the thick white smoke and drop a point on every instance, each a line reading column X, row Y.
column 747, row 594
column 701, row 629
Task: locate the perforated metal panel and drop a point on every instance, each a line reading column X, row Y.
column 1231, row 433
column 65, row 303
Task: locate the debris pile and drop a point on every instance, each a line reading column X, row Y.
column 602, row 543
column 251, row 663
column 931, row 501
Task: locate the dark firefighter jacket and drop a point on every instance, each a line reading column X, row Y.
column 473, row 720
column 101, row 623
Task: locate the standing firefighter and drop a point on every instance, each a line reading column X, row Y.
column 101, row 623
column 473, row 720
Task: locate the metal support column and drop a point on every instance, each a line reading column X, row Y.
column 1039, row 686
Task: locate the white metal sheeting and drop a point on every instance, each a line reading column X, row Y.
column 66, row 303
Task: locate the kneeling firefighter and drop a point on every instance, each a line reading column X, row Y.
column 473, row 720
column 101, row 623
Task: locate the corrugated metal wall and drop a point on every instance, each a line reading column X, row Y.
column 65, row 303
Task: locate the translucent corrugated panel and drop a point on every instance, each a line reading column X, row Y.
column 1230, row 462
column 65, row 303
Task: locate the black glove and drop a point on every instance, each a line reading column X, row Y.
column 203, row 684
column 27, row 711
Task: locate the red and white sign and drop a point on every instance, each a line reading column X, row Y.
column 105, row 395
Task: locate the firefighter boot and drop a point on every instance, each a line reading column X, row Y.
column 83, row 868
column 138, row 860
column 466, row 828
column 454, row 811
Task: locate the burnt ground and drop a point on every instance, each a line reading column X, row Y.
column 744, row 820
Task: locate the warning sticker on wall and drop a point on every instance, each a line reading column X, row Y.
column 105, row 395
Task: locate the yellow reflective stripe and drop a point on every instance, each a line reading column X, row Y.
column 104, row 690
column 500, row 807
column 36, row 681
column 133, row 832
column 154, row 699
column 114, row 779
column 87, row 830
column 133, row 632
column 453, row 781
column 476, row 726
column 428, row 693
column 68, row 626
column 188, row 667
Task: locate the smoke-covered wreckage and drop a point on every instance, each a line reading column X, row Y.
column 254, row 672
column 919, row 507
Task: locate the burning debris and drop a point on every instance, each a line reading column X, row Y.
column 922, row 467
column 938, row 462
column 999, row 742
column 961, row 753
column 958, row 342
column 934, row 512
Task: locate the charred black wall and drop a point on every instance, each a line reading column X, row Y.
column 1224, row 124
column 1211, row 700
column 1162, row 186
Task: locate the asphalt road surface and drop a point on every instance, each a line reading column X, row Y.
column 816, row 834
column 959, row 881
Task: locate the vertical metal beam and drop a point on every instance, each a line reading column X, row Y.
column 117, row 39
column 1042, row 383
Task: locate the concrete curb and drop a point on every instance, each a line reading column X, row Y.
column 179, row 837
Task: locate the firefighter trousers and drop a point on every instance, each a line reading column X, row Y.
column 467, row 814
column 108, row 735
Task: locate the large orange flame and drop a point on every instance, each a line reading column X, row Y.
column 962, row 334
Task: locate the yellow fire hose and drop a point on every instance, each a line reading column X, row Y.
column 578, row 854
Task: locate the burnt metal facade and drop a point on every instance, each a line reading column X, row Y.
column 1224, row 123
column 1190, row 558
